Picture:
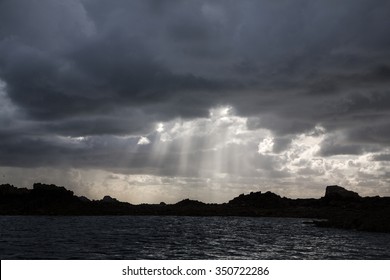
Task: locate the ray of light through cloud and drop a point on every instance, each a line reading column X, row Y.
column 151, row 101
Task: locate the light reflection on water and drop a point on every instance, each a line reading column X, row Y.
column 153, row 237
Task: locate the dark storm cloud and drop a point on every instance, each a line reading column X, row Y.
column 98, row 79
column 98, row 125
column 382, row 157
column 281, row 144
column 83, row 67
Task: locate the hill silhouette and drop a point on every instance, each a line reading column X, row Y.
column 339, row 207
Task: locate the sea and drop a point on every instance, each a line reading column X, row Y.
column 176, row 237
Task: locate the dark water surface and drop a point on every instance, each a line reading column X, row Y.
column 153, row 237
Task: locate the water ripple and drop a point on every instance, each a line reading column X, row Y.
column 150, row 237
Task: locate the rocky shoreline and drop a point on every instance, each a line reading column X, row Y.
column 338, row 208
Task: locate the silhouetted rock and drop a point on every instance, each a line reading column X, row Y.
column 338, row 208
column 84, row 199
column 109, row 199
column 189, row 203
column 52, row 191
column 337, row 192
column 260, row 200
column 7, row 189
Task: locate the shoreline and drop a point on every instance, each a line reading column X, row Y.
column 339, row 208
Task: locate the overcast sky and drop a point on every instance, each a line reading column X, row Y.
column 151, row 101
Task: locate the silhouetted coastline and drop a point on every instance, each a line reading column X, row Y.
column 338, row 208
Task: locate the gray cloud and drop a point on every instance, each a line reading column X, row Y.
column 103, row 70
column 382, row 157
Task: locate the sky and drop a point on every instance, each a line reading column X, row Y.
column 151, row 101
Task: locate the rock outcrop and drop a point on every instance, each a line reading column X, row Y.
column 109, row 199
column 189, row 203
column 260, row 200
column 7, row 189
column 339, row 207
column 337, row 192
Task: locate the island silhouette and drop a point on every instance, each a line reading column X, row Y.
column 339, row 208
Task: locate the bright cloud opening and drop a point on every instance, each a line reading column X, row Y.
column 143, row 141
